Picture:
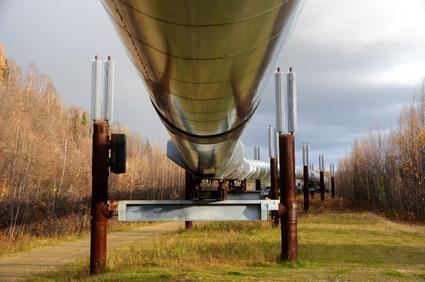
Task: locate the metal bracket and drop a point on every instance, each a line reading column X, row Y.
column 183, row 210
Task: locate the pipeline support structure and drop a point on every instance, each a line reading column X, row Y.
column 99, row 211
column 306, row 177
column 333, row 180
column 305, row 188
column 274, row 183
column 289, row 242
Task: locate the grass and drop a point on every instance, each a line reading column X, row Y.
column 28, row 242
column 332, row 246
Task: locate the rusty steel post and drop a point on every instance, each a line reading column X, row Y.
column 188, row 193
column 274, row 183
column 322, row 185
column 288, row 198
column 305, row 188
column 99, row 213
column 333, row 186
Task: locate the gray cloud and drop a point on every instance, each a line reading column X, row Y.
column 356, row 65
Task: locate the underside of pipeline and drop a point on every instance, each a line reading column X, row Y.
column 205, row 64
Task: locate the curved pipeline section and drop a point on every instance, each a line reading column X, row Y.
column 205, row 63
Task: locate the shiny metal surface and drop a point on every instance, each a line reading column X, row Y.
column 184, row 210
column 291, row 95
column 205, row 63
column 271, row 141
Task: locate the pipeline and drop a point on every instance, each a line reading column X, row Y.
column 206, row 64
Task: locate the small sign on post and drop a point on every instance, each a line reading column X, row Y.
column 118, row 153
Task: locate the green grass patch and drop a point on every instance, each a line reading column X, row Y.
column 343, row 246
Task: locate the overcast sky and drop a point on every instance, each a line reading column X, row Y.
column 357, row 62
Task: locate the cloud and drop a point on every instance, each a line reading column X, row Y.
column 357, row 64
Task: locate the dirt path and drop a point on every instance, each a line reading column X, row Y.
column 26, row 264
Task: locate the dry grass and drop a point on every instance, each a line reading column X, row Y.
column 333, row 246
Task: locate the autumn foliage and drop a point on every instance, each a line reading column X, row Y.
column 385, row 172
column 45, row 160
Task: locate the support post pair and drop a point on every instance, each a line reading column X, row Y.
column 108, row 153
column 286, row 129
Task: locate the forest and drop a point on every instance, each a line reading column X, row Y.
column 385, row 171
column 45, row 160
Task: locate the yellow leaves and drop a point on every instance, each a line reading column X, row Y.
column 3, row 65
column 421, row 136
column 389, row 178
column 4, row 189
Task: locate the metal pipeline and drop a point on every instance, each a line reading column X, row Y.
column 205, row 64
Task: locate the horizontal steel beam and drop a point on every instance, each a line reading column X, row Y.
column 183, row 210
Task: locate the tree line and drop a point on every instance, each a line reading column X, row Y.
column 385, row 172
column 45, row 160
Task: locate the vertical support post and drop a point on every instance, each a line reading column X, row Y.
column 333, row 180
column 274, row 178
column 188, row 193
column 274, row 181
column 306, row 188
column 306, row 178
column 288, row 198
column 322, row 186
column 257, row 157
column 288, row 221
column 257, row 184
column 322, row 178
column 99, row 215
column 312, row 191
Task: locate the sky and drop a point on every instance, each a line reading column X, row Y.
column 358, row 62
